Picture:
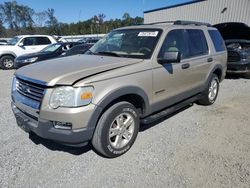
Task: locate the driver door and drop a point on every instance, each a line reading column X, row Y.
column 171, row 81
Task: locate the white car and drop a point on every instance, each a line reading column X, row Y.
column 20, row 45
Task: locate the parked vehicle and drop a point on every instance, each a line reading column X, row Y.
column 134, row 74
column 20, row 45
column 89, row 40
column 237, row 39
column 51, row 51
column 78, row 49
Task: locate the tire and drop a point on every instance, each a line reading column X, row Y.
column 112, row 137
column 7, row 62
column 211, row 92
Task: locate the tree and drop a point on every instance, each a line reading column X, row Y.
column 101, row 18
column 8, row 10
column 22, row 19
column 17, row 16
column 52, row 21
column 2, row 29
column 126, row 19
column 41, row 18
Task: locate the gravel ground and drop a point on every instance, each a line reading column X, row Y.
column 198, row 147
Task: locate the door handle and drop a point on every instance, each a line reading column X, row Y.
column 210, row 59
column 185, row 66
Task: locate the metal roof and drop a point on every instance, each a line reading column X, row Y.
column 173, row 6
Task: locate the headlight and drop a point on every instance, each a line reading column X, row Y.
column 30, row 60
column 67, row 96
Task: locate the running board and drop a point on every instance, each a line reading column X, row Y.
column 171, row 109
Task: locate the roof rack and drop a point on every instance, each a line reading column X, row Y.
column 183, row 22
column 160, row 22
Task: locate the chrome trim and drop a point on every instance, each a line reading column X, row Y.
column 30, row 90
column 39, row 82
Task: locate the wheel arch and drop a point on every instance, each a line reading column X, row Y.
column 131, row 94
column 218, row 70
column 8, row 53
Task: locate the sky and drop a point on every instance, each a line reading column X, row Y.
column 68, row 11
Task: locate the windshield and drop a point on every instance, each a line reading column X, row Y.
column 51, row 48
column 131, row 43
column 14, row 40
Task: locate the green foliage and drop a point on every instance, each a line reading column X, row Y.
column 22, row 19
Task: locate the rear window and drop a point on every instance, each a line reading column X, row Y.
column 42, row 41
column 217, row 40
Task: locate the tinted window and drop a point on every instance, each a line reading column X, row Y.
column 197, row 42
column 42, row 41
column 174, row 42
column 29, row 41
column 217, row 40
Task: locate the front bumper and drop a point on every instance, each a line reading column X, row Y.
column 45, row 129
column 240, row 67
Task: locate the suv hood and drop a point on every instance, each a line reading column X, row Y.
column 68, row 70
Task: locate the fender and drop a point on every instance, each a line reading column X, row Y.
column 209, row 75
column 115, row 94
column 3, row 53
column 217, row 66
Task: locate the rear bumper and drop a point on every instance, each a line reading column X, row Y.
column 46, row 129
column 240, row 67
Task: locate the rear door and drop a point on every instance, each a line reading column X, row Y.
column 198, row 57
column 42, row 42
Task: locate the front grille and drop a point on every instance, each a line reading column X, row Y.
column 31, row 90
column 233, row 56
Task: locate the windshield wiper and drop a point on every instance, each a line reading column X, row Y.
column 109, row 53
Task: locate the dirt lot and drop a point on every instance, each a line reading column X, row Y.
column 198, row 147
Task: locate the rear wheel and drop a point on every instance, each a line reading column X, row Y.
column 116, row 130
column 7, row 62
column 211, row 92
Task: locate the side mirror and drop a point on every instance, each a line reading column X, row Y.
column 170, row 57
column 20, row 44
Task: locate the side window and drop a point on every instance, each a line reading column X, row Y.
column 217, row 40
column 29, row 41
column 174, row 42
column 197, row 42
column 42, row 41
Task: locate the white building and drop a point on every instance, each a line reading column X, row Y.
column 210, row 11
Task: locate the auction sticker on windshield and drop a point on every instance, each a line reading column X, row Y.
column 148, row 34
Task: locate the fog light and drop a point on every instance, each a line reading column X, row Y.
column 62, row 125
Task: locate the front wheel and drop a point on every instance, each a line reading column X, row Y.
column 7, row 62
column 211, row 92
column 116, row 130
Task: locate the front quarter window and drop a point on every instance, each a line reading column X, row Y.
column 130, row 43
